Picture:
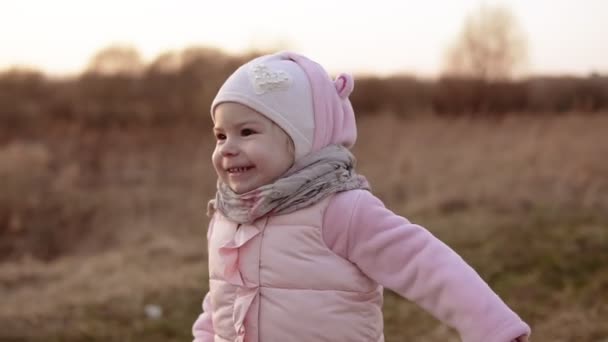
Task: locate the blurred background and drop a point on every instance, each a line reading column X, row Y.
column 484, row 121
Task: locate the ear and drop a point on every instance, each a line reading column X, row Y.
column 344, row 84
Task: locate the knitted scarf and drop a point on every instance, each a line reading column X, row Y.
column 308, row 181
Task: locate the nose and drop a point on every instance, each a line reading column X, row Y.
column 229, row 148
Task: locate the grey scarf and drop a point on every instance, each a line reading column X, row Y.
column 309, row 180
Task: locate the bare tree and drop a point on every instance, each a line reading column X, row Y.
column 166, row 62
column 491, row 46
column 116, row 59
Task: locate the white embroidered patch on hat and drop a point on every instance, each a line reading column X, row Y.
column 264, row 79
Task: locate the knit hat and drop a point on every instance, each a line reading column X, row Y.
column 298, row 95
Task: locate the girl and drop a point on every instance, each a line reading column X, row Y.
column 299, row 248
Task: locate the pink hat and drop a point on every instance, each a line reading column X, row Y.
column 299, row 96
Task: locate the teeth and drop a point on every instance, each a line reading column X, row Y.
column 238, row 169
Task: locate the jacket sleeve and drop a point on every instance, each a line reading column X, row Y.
column 409, row 260
column 203, row 327
column 202, row 330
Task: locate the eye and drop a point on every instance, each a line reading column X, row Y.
column 247, row 132
column 220, row 136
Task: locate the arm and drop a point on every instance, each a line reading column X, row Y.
column 409, row 260
column 203, row 327
column 202, row 330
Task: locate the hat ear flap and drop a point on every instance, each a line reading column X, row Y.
column 344, row 84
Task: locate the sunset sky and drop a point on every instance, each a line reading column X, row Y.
column 380, row 36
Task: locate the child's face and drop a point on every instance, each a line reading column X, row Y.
column 251, row 150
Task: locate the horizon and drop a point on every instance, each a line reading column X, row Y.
column 565, row 37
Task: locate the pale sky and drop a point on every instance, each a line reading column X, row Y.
column 377, row 36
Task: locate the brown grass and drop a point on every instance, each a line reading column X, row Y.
column 97, row 223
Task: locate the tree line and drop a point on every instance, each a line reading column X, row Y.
column 478, row 78
column 168, row 91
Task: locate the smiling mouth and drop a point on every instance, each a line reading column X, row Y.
column 238, row 170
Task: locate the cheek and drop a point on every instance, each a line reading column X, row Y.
column 215, row 160
column 281, row 158
column 287, row 151
column 283, row 145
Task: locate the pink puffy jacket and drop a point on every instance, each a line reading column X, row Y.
column 317, row 275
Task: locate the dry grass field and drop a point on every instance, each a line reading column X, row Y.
column 96, row 225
